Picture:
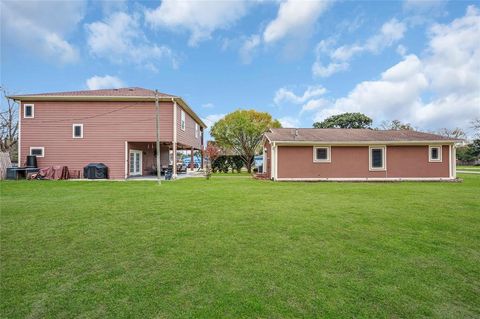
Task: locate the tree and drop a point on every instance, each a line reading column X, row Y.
column 242, row 131
column 452, row 133
column 212, row 152
column 396, row 125
column 476, row 127
column 470, row 152
column 8, row 125
column 345, row 120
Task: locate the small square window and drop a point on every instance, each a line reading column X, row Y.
column 434, row 153
column 77, row 130
column 321, row 154
column 28, row 111
column 38, row 151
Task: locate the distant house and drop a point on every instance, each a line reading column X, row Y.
column 357, row 155
column 115, row 127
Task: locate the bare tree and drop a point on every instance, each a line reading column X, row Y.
column 8, row 125
column 396, row 125
column 476, row 127
column 452, row 133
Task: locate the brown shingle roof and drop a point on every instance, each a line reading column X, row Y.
column 350, row 135
column 121, row 92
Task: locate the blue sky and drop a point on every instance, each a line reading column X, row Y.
column 301, row 61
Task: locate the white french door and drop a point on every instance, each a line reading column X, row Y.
column 135, row 162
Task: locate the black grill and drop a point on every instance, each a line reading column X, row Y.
column 95, row 171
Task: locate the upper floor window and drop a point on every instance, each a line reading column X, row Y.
column 434, row 153
column 182, row 123
column 377, row 158
column 28, row 111
column 197, row 130
column 321, row 154
column 38, row 151
column 77, row 130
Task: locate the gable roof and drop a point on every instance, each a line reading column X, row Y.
column 120, row 94
column 344, row 136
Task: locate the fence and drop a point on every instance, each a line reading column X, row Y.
column 4, row 164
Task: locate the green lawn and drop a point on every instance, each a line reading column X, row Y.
column 468, row 168
column 240, row 248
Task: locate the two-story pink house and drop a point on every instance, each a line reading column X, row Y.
column 116, row 127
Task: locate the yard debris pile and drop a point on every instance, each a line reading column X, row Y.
column 51, row 173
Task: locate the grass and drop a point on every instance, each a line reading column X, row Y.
column 240, row 248
column 468, row 168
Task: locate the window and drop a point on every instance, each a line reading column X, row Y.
column 39, row 151
column 434, row 153
column 182, row 123
column 377, row 158
column 197, row 130
column 28, row 111
column 77, row 130
column 321, row 154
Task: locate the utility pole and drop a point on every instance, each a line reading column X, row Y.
column 157, row 122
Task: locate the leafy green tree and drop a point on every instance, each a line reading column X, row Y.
column 345, row 120
column 242, row 131
column 470, row 152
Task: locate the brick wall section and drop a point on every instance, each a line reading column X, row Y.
column 352, row 162
column 107, row 125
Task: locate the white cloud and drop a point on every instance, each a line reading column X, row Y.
column 441, row 89
column 248, row 47
column 208, row 105
column 294, row 18
column 314, row 104
column 200, row 18
column 390, row 33
column 289, row 121
column 43, row 23
column 104, row 82
column 212, row 118
column 120, row 39
column 286, row 95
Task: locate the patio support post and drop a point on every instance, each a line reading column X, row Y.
column 192, row 164
column 157, row 127
column 174, row 146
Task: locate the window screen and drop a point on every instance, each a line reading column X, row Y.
column 322, row 154
column 377, row 158
column 434, row 154
column 77, row 131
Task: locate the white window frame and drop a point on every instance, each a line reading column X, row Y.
column 196, row 130
column 384, row 158
column 39, row 148
column 327, row 160
column 25, row 113
column 73, row 130
column 435, row 160
column 182, row 120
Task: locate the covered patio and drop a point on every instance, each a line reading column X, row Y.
column 140, row 160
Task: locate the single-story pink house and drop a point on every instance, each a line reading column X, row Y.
column 116, row 127
column 357, row 155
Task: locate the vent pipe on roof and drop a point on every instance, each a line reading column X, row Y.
column 296, row 132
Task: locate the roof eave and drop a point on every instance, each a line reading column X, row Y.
column 348, row 143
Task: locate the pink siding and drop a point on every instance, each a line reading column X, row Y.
column 353, row 162
column 107, row 125
column 187, row 137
